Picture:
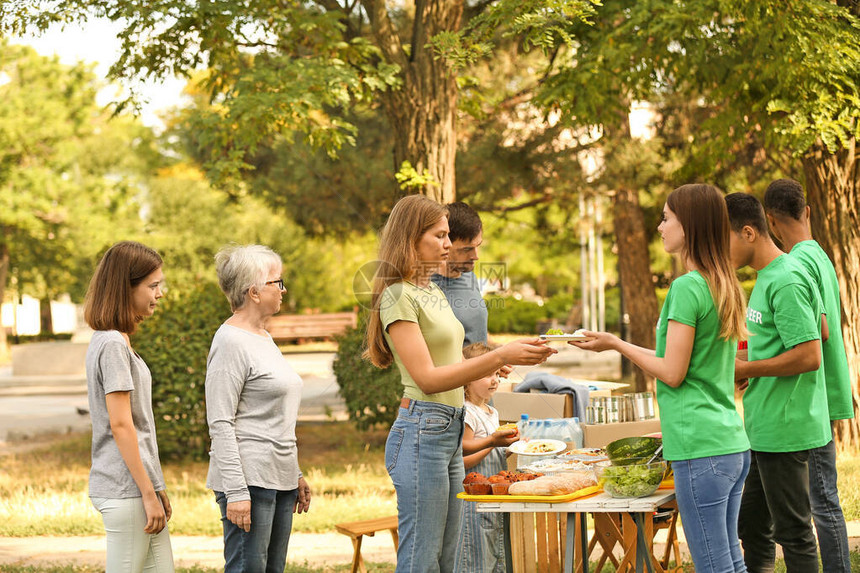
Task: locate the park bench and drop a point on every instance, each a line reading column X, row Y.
column 355, row 530
column 285, row 327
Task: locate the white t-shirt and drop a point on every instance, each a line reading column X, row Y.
column 483, row 424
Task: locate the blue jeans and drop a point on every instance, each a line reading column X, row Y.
column 264, row 548
column 424, row 457
column 709, row 500
column 826, row 510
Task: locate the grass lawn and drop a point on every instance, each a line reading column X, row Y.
column 371, row 567
column 43, row 492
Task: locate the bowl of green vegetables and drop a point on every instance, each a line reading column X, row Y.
column 632, row 480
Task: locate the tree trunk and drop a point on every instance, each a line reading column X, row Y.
column 423, row 112
column 634, row 273
column 4, row 274
column 833, row 193
column 634, row 261
column 46, row 320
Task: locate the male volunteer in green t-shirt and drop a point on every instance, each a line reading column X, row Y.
column 788, row 216
column 785, row 404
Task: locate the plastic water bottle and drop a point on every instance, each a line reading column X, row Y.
column 541, row 431
column 522, row 426
column 576, row 431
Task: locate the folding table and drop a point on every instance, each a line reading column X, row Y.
column 636, row 515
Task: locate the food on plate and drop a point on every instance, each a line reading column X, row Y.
column 635, row 480
column 586, row 455
column 554, row 466
column 539, row 447
column 559, row 484
column 631, row 450
column 554, row 331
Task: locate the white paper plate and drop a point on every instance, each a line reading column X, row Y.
column 564, row 337
column 521, row 447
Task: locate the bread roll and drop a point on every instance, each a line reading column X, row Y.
column 559, row 484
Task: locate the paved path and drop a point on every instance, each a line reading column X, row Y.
column 315, row 549
column 31, row 406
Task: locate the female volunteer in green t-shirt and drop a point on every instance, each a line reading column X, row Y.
column 412, row 325
column 701, row 321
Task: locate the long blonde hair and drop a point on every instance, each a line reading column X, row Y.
column 701, row 210
column 411, row 217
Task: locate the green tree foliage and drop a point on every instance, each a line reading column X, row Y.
column 174, row 342
column 282, row 68
column 188, row 221
column 778, row 76
column 325, row 196
column 372, row 395
column 67, row 180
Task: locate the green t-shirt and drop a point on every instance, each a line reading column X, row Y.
column 442, row 332
column 698, row 418
column 784, row 413
column 836, row 376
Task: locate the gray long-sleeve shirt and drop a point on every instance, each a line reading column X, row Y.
column 252, row 401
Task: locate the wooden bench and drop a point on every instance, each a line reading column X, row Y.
column 358, row 529
column 323, row 325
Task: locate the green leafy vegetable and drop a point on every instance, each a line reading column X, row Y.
column 632, row 481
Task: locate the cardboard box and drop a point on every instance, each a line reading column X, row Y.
column 537, row 405
column 598, row 435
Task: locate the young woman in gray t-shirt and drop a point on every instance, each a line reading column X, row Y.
column 126, row 482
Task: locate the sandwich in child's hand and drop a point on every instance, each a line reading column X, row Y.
column 508, row 426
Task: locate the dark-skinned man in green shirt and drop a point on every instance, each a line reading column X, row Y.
column 785, row 403
column 788, row 217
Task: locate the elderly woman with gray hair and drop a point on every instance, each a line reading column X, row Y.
column 252, row 401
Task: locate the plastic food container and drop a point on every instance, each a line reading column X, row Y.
column 633, row 480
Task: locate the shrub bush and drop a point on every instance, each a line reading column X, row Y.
column 510, row 315
column 175, row 342
column 372, row 395
column 41, row 337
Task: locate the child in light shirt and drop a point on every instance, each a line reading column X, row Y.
column 482, row 536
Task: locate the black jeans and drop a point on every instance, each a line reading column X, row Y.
column 775, row 508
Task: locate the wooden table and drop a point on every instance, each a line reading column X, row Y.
column 635, row 534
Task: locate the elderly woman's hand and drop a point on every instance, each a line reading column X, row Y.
column 303, row 501
column 239, row 512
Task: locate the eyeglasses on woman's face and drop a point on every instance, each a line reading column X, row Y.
column 279, row 282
